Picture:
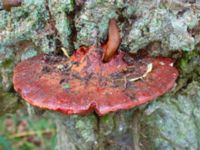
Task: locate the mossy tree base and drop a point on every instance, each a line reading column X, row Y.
column 116, row 131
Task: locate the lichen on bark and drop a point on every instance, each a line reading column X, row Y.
column 163, row 27
column 141, row 22
column 174, row 122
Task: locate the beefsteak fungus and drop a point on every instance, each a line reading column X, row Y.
column 99, row 79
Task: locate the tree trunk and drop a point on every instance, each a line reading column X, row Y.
column 114, row 131
column 162, row 28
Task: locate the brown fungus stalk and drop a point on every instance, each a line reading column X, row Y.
column 113, row 41
column 84, row 83
column 8, row 4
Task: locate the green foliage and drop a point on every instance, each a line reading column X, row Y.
column 21, row 132
column 4, row 143
column 53, row 142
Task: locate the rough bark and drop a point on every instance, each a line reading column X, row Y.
column 161, row 27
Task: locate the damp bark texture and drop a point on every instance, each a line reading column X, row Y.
column 159, row 27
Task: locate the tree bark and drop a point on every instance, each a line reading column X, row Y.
column 113, row 131
column 162, row 28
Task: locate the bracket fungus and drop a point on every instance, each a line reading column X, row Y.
column 100, row 79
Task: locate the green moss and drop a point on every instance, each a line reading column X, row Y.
column 106, row 119
column 187, row 63
column 9, row 102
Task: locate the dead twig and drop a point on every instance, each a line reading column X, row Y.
column 30, row 133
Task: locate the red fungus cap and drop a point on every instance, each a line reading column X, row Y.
column 85, row 83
